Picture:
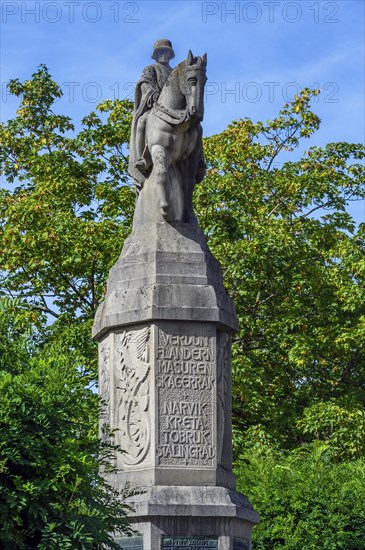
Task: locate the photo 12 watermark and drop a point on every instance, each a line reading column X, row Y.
column 225, row 92
column 92, row 92
column 268, row 92
column 270, row 12
column 69, row 11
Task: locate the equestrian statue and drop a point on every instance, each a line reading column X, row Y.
column 166, row 152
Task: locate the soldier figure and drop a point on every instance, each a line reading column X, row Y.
column 147, row 91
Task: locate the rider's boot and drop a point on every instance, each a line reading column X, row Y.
column 141, row 164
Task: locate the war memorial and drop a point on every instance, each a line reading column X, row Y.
column 164, row 333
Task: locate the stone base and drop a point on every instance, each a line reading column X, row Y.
column 164, row 333
column 165, row 272
column 206, row 517
column 174, row 476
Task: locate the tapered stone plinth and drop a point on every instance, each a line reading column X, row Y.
column 164, row 333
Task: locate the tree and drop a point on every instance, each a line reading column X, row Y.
column 51, row 492
column 65, row 220
column 294, row 264
column 60, row 231
column 306, row 498
column 292, row 255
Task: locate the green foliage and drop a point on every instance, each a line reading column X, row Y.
column 340, row 426
column 51, row 492
column 305, row 499
column 64, row 215
column 294, row 264
column 293, row 260
column 63, row 224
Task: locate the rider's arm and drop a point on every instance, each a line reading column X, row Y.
column 149, row 87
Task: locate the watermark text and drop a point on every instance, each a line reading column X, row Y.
column 254, row 12
column 69, row 11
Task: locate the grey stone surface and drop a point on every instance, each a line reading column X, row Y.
column 165, row 375
column 190, row 543
column 204, row 501
column 130, row 543
column 240, row 544
column 166, row 388
column 166, row 153
column 164, row 332
column 191, row 512
column 165, row 271
column 147, row 92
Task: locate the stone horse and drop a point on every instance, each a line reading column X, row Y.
column 174, row 146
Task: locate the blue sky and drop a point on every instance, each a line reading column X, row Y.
column 259, row 54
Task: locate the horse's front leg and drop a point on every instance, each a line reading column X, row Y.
column 161, row 161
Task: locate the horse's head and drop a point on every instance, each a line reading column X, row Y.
column 192, row 85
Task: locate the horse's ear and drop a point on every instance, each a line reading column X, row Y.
column 205, row 59
column 189, row 60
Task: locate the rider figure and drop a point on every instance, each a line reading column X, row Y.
column 147, row 92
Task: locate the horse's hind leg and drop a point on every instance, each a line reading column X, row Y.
column 160, row 177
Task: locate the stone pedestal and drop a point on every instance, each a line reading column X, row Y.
column 164, row 333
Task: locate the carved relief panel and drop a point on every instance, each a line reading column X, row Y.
column 104, row 384
column 133, row 387
column 172, row 379
column 125, row 388
column 185, row 386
